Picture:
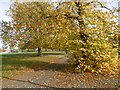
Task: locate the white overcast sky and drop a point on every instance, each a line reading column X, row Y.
column 5, row 4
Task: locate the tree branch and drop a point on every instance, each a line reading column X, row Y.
column 99, row 3
column 103, row 6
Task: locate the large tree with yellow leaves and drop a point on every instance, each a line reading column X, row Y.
column 89, row 34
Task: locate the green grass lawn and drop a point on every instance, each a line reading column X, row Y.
column 17, row 63
column 44, row 52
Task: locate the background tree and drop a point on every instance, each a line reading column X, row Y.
column 7, row 35
column 30, row 23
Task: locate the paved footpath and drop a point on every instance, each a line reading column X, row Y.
column 52, row 76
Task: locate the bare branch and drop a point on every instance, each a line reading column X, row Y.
column 103, row 6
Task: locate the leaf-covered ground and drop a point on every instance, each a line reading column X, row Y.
column 54, row 76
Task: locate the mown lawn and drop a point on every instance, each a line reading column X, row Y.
column 18, row 63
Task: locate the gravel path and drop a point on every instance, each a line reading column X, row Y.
column 52, row 76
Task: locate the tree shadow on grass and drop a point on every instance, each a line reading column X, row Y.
column 19, row 59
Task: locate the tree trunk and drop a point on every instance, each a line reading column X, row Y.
column 28, row 50
column 52, row 49
column 83, row 36
column 66, row 51
column 10, row 50
column 39, row 52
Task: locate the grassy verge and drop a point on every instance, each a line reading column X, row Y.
column 17, row 63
